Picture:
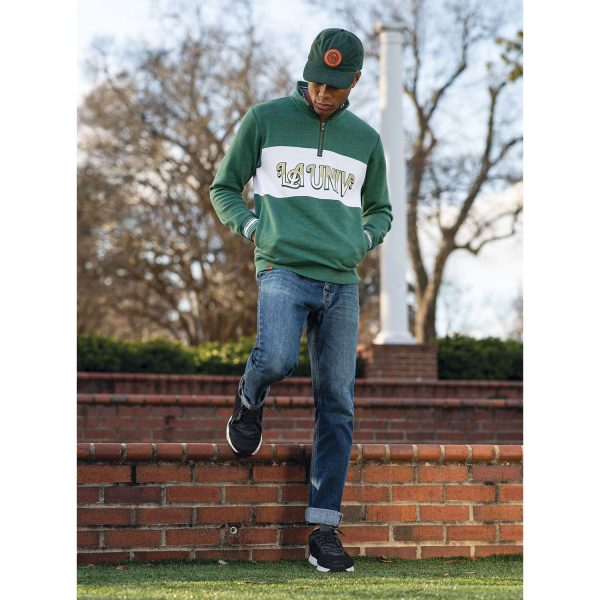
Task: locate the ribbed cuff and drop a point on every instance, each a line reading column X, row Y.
column 250, row 226
column 370, row 243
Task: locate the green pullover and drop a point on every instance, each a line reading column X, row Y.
column 320, row 191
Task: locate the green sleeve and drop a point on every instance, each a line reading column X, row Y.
column 238, row 166
column 376, row 207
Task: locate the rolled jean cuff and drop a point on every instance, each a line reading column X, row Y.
column 323, row 516
column 247, row 403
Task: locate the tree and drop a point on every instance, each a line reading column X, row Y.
column 446, row 43
column 516, row 331
column 154, row 258
column 99, row 203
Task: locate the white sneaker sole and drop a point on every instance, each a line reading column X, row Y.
column 313, row 561
column 233, row 447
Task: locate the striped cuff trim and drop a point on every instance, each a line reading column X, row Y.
column 249, row 225
column 369, row 238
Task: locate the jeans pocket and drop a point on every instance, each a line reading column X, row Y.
column 261, row 274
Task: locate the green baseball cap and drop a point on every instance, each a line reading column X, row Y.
column 334, row 58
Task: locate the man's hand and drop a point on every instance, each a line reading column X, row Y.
column 252, row 236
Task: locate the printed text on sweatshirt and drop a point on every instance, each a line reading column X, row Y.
column 320, row 191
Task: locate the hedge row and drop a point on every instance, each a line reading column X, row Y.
column 463, row 357
column 459, row 357
column 97, row 353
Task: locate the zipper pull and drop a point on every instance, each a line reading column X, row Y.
column 321, row 135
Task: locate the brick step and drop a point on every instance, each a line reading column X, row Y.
column 150, row 502
column 169, row 418
column 136, row 383
column 284, row 401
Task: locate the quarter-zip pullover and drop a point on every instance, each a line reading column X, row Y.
column 320, row 191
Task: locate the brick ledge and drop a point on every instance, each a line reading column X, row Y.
column 279, row 401
column 90, row 375
column 90, row 452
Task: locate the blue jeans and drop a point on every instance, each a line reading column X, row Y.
column 286, row 301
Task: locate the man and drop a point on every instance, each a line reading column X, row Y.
column 320, row 204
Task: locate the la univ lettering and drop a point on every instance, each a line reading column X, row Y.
column 323, row 177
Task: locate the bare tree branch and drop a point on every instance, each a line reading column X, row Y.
column 157, row 131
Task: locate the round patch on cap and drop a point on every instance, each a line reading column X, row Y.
column 332, row 57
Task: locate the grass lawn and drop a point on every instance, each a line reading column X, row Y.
column 493, row 578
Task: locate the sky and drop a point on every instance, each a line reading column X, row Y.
column 480, row 291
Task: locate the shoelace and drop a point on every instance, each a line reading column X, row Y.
column 329, row 540
column 246, row 418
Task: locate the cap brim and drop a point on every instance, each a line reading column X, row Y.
column 333, row 77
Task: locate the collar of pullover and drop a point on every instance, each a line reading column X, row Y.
column 303, row 104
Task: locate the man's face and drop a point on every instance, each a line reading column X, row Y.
column 326, row 99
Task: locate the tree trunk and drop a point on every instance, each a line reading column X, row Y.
column 427, row 298
column 425, row 320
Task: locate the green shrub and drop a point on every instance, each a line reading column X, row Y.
column 97, row 353
column 459, row 357
column 230, row 357
column 462, row 357
column 159, row 356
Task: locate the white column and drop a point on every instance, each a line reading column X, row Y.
column 393, row 251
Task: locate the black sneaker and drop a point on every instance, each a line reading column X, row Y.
column 244, row 428
column 327, row 552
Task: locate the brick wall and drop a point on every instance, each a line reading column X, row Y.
column 408, row 361
column 144, row 383
column 147, row 501
column 114, row 418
